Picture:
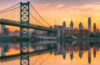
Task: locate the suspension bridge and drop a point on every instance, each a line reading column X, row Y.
column 26, row 17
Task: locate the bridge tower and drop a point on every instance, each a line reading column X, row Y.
column 24, row 33
column 60, row 40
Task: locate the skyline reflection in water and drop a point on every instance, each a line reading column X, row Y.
column 87, row 56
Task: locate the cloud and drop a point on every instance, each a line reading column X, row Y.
column 76, row 2
column 64, row 3
column 60, row 6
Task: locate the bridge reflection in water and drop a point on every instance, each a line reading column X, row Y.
column 73, row 55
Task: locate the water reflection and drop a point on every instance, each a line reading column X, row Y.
column 81, row 49
column 94, row 52
column 89, row 56
column 75, row 52
column 71, row 55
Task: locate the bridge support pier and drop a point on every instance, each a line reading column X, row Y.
column 4, row 49
column 60, row 40
column 2, row 52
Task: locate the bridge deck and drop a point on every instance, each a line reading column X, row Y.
column 32, row 26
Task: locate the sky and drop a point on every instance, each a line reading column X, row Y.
column 57, row 11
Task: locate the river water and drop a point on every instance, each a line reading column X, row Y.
column 52, row 59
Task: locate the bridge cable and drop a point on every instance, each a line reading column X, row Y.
column 9, row 8
column 44, row 59
column 36, row 19
column 39, row 15
column 37, row 59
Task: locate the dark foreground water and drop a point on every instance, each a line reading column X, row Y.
column 72, row 57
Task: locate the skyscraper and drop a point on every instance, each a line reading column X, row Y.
column 80, row 26
column 94, row 28
column 71, row 25
column 64, row 24
column 89, row 24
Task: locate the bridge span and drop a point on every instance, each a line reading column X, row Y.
column 31, row 26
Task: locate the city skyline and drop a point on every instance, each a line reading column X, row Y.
column 90, row 27
column 71, row 27
column 64, row 10
column 61, row 29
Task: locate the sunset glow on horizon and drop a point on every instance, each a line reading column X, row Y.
column 50, row 32
column 55, row 12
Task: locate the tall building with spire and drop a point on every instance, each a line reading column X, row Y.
column 94, row 28
column 89, row 24
column 64, row 24
column 71, row 25
column 81, row 26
